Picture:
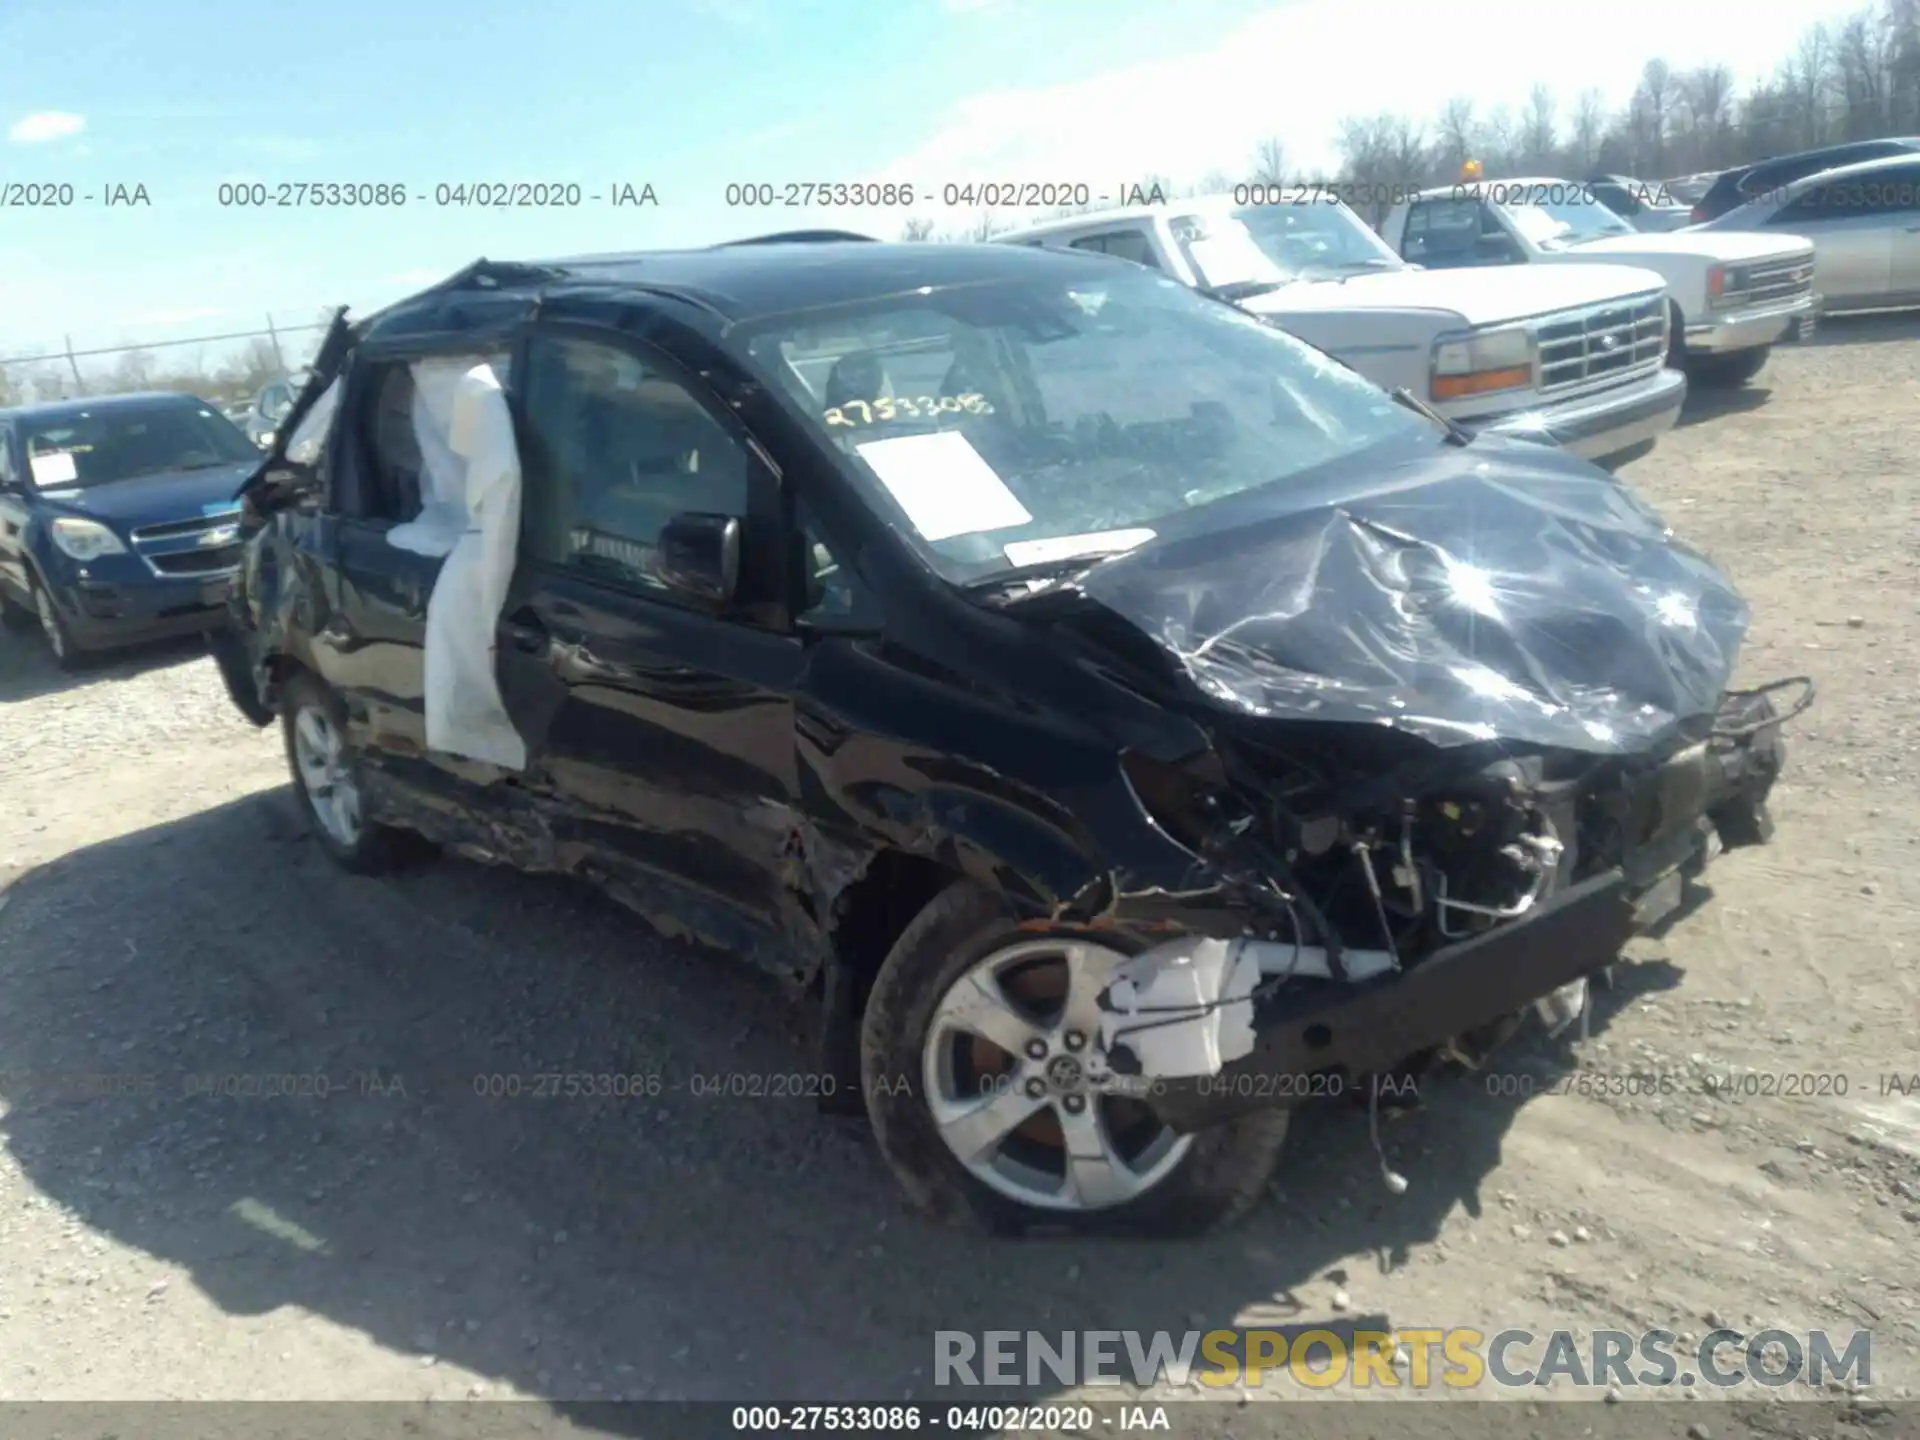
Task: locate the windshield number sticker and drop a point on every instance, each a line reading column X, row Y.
column 54, row 469
column 856, row 413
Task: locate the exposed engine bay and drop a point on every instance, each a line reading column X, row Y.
column 1366, row 865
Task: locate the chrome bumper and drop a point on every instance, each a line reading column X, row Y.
column 1600, row 426
column 1743, row 329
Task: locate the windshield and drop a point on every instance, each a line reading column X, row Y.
column 1557, row 216
column 1306, row 241
column 77, row 448
column 1026, row 422
column 1224, row 256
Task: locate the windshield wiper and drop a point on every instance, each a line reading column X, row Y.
column 1064, row 567
column 1455, row 434
column 1236, row 290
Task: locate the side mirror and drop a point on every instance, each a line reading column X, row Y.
column 699, row 557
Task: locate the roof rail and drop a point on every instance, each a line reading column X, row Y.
column 799, row 237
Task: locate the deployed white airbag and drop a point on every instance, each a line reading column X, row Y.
column 443, row 474
column 465, row 714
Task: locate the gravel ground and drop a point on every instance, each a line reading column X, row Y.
column 405, row 1238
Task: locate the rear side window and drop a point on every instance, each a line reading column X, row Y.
column 1444, row 234
column 1122, row 245
column 617, row 446
column 390, row 446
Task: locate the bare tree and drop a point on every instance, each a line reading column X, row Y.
column 918, row 227
column 1499, row 142
column 1459, row 137
column 1588, row 130
column 1269, row 162
column 1539, row 135
column 1863, row 74
column 1806, row 88
column 134, row 370
column 1649, row 117
column 1903, row 97
column 985, row 226
column 1706, row 99
column 1382, row 155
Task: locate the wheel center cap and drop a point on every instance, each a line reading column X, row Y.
column 1065, row 1075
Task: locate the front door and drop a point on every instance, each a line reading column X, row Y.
column 664, row 732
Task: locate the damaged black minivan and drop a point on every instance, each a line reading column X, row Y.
column 1122, row 721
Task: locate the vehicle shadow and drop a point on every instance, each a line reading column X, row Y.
column 636, row 1232
column 27, row 669
column 1715, row 404
column 1867, row 327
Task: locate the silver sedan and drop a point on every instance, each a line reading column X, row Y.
column 1864, row 222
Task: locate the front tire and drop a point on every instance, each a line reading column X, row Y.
column 1728, row 372
column 65, row 650
column 1045, row 1149
column 327, row 779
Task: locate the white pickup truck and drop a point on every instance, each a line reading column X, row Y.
column 1576, row 357
column 1733, row 296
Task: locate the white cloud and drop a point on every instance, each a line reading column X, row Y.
column 1296, row 70
column 45, row 125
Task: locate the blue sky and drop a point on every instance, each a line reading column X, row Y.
column 685, row 95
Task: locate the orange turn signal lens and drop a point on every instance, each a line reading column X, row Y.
column 1481, row 382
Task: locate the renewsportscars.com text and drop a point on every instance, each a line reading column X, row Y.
column 1458, row 1358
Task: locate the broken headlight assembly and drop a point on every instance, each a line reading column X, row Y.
column 1350, row 890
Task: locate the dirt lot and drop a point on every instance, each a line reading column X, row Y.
column 405, row 1238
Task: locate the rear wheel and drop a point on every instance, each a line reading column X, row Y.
column 327, row 778
column 1727, row 372
column 992, row 1103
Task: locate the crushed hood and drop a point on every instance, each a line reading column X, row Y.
column 1502, row 590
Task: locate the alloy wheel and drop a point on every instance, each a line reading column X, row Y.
column 1019, row 1088
column 320, row 754
column 49, row 622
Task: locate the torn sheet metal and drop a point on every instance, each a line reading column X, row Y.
column 464, row 711
column 1500, row 590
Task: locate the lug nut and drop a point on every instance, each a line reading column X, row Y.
column 1075, row 1039
column 1036, row 1087
column 1075, row 1104
column 1037, row 1049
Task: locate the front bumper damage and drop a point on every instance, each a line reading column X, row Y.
column 1205, row 1030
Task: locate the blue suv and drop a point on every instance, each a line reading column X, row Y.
column 118, row 522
